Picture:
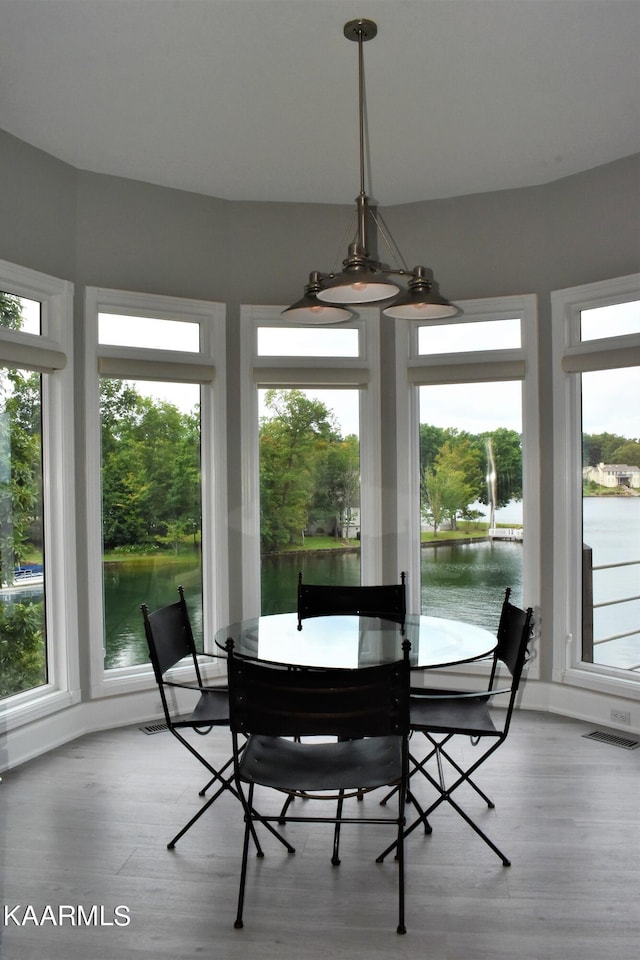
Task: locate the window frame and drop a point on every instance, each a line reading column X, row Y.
column 363, row 373
column 414, row 370
column 51, row 354
column 206, row 367
column 571, row 358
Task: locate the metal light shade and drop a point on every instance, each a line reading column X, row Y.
column 310, row 310
column 356, row 288
column 361, row 281
column 420, row 301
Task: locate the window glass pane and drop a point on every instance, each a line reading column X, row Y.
column 468, row 337
column 150, row 332
column 615, row 320
column 19, row 313
column 611, row 518
column 23, row 647
column 307, row 342
column 309, row 491
column 151, row 508
column 471, row 499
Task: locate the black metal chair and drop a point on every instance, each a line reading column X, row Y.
column 170, row 641
column 442, row 715
column 367, row 711
column 387, row 601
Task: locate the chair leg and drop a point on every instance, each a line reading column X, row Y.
column 247, row 803
column 335, row 858
column 474, row 826
column 217, row 776
column 445, row 795
column 400, row 848
column 489, row 802
column 196, row 817
column 285, row 807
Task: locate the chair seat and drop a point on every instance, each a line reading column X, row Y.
column 466, row 715
column 212, row 709
column 284, row 764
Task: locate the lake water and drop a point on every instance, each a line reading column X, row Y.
column 463, row 580
column 468, row 579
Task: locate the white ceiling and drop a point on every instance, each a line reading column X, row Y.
column 257, row 99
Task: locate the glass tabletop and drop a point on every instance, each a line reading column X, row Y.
column 352, row 641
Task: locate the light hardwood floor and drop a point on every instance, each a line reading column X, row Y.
column 88, row 824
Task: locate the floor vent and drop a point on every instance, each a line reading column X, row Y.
column 615, row 739
column 154, row 728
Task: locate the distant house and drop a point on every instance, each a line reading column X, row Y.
column 614, row 475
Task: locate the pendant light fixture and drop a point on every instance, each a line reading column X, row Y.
column 363, row 279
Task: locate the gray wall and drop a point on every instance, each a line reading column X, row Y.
column 106, row 231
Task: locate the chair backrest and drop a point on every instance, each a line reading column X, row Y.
column 170, row 639
column 387, row 601
column 514, row 634
column 265, row 699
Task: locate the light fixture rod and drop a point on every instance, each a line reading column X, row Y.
column 361, row 108
column 360, row 31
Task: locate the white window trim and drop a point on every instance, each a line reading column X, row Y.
column 413, row 370
column 52, row 354
column 312, row 372
column 208, row 368
column 572, row 357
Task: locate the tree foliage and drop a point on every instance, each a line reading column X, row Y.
column 293, row 449
column 22, row 647
column 20, row 454
column 150, row 468
column 608, row 448
column 337, row 493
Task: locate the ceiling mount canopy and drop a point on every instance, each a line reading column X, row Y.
column 363, row 278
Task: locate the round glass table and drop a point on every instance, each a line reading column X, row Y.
column 352, row 641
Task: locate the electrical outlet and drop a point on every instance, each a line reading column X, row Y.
column 621, row 716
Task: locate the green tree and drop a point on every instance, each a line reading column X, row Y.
column 600, row 448
column 150, row 467
column 431, row 439
column 20, row 454
column 432, row 498
column 10, row 311
column 459, row 464
column 291, row 440
column 628, row 452
column 22, row 647
column 338, row 484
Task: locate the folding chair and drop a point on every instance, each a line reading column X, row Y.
column 387, row 601
column 443, row 715
column 367, row 711
column 170, row 641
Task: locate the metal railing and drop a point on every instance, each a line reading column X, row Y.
column 588, row 606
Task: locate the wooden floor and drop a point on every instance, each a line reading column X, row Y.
column 87, row 825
